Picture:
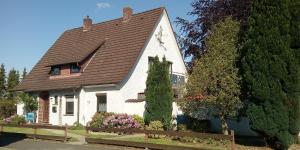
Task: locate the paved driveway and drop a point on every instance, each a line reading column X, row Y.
column 19, row 143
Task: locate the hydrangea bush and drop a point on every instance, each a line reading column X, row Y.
column 14, row 120
column 120, row 121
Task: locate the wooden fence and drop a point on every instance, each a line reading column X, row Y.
column 156, row 146
column 35, row 127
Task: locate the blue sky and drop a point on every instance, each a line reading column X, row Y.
column 28, row 28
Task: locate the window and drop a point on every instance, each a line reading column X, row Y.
column 101, row 103
column 55, row 100
column 177, row 80
column 170, row 67
column 54, row 109
column 55, row 70
column 74, row 68
column 69, row 105
column 141, row 96
column 150, row 62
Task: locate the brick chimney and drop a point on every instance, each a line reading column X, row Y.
column 87, row 23
column 127, row 13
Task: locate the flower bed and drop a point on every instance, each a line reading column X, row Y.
column 111, row 120
column 14, row 120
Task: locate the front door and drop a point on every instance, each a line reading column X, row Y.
column 43, row 115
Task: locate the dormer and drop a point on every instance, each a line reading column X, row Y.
column 65, row 70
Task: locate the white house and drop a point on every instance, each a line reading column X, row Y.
column 102, row 67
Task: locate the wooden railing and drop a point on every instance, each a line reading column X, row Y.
column 156, row 132
column 35, row 127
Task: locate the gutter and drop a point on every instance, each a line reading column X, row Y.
column 99, row 86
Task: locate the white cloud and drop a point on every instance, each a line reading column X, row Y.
column 102, row 5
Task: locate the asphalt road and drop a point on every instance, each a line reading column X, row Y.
column 13, row 143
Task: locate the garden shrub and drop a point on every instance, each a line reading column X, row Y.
column 198, row 125
column 15, row 120
column 155, row 125
column 98, row 118
column 139, row 119
column 120, row 121
column 182, row 127
column 7, row 108
column 77, row 126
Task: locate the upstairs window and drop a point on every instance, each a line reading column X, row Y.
column 150, row 61
column 170, row 67
column 74, row 68
column 55, row 70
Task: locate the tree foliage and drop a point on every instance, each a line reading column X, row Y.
column 271, row 70
column 24, row 73
column 2, row 82
column 214, row 81
column 12, row 82
column 207, row 13
column 30, row 102
column 159, row 95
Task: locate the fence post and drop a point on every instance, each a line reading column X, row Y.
column 1, row 128
column 34, row 132
column 66, row 130
column 86, row 131
column 146, row 140
column 232, row 140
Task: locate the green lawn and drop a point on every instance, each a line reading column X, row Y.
column 207, row 143
column 94, row 134
column 29, row 131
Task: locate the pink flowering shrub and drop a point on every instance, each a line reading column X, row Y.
column 14, row 120
column 120, row 121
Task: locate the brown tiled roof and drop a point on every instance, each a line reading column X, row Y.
column 111, row 62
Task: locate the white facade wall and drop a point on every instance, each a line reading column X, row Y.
column 88, row 102
column 136, row 81
column 61, row 107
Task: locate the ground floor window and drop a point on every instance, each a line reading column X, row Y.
column 101, row 102
column 69, row 105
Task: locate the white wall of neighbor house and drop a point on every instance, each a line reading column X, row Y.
column 136, row 82
column 20, row 107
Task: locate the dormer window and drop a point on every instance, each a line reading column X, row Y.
column 55, row 70
column 74, row 68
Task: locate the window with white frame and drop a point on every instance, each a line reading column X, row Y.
column 101, row 102
column 69, row 104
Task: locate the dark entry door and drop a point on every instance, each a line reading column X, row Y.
column 44, row 107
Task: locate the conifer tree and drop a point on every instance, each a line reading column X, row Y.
column 271, row 72
column 12, row 82
column 159, row 95
column 2, row 81
column 24, row 73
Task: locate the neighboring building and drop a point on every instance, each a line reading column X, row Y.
column 102, row 67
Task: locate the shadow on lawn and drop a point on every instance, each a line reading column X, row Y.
column 250, row 141
column 8, row 138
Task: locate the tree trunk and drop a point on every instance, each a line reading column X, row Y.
column 224, row 125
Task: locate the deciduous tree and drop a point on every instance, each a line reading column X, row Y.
column 205, row 13
column 214, row 82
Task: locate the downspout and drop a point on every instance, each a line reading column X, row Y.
column 78, row 102
column 78, row 106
